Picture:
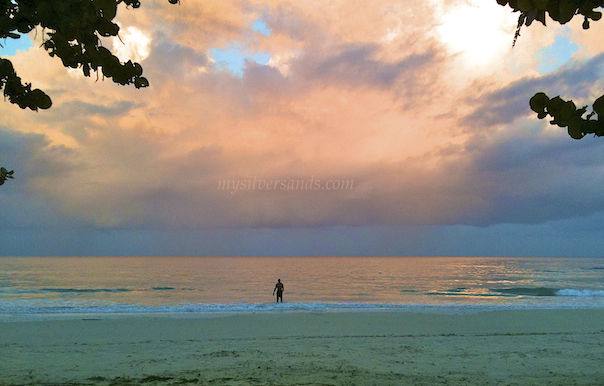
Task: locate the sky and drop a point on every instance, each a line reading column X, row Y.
column 340, row 127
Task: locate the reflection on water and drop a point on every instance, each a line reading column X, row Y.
column 154, row 281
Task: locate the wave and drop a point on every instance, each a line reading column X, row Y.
column 463, row 294
column 544, row 291
column 519, row 291
column 574, row 292
column 73, row 308
column 92, row 290
column 85, row 290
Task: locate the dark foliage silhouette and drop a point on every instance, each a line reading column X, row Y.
column 564, row 112
column 71, row 32
column 4, row 175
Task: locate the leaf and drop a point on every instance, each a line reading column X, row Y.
column 108, row 7
column 567, row 11
column 141, row 82
column 595, row 15
column 575, row 131
column 554, row 105
column 568, row 110
column 599, row 106
column 538, row 102
column 530, row 16
column 525, row 6
column 106, row 28
column 40, row 99
column 541, row 16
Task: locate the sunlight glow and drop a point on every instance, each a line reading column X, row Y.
column 478, row 30
column 134, row 45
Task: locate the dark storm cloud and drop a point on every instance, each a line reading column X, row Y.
column 523, row 171
column 535, row 179
column 519, row 152
column 32, row 160
column 505, row 105
column 33, row 155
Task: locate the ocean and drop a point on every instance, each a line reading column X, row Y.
column 151, row 285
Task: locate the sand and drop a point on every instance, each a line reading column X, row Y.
column 503, row 347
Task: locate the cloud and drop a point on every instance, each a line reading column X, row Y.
column 535, row 179
column 169, row 59
column 33, row 159
column 232, row 59
column 76, row 108
column 579, row 82
column 354, row 91
column 354, row 65
column 132, row 44
column 345, row 110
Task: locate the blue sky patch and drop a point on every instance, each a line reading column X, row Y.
column 553, row 57
column 260, row 26
column 233, row 60
column 11, row 46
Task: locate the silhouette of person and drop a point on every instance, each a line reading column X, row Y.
column 279, row 289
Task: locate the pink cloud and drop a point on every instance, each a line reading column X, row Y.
column 370, row 95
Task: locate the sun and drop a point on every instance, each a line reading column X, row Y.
column 132, row 44
column 478, row 30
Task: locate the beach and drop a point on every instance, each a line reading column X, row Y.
column 415, row 347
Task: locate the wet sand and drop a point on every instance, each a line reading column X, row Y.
column 504, row 347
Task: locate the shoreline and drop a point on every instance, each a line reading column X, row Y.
column 535, row 346
column 150, row 312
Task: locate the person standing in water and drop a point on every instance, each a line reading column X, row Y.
column 279, row 289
